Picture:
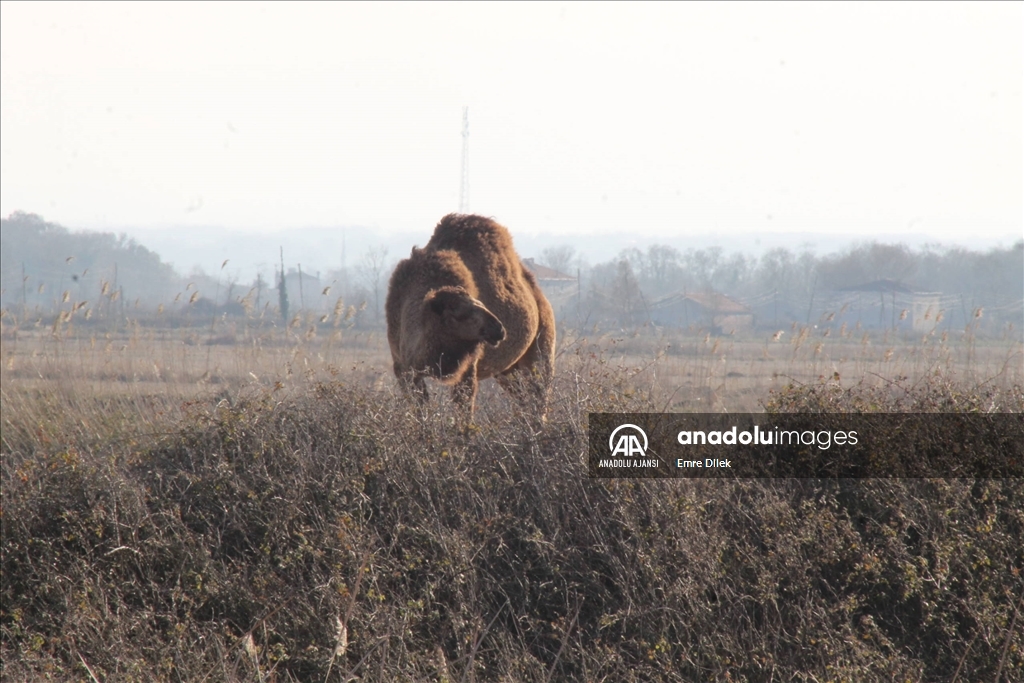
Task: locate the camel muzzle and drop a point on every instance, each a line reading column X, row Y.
column 495, row 333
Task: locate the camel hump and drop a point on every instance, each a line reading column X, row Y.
column 432, row 269
column 468, row 232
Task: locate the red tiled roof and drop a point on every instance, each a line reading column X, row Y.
column 545, row 273
column 710, row 300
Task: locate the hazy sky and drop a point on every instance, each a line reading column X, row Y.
column 668, row 119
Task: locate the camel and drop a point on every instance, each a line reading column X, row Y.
column 463, row 309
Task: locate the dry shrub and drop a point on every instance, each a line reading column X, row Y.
column 935, row 392
column 345, row 532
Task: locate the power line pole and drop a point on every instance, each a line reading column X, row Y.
column 24, row 280
column 282, row 293
column 464, row 187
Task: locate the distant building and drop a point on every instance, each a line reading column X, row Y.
column 304, row 292
column 560, row 289
column 885, row 304
column 773, row 311
column 712, row 310
column 549, row 278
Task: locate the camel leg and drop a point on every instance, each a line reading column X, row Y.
column 528, row 381
column 412, row 383
column 464, row 391
column 419, row 383
column 464, row 397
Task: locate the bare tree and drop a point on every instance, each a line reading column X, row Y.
column 626, row 296
column 372, row 272
column 558, row 258
column 662, row 267
column 702, row 264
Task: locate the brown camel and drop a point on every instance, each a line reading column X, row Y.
column 464, row 308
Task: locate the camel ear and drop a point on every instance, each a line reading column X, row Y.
column 445, row 298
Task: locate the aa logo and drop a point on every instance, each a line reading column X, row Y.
column 628, row 443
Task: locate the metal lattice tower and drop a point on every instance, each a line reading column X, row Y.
column 464, row 186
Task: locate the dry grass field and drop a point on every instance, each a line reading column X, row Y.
column 240, row 502
column 680, row 370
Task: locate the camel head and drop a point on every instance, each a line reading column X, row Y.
column 464, row 317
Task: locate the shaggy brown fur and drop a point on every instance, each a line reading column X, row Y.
column 444, row 301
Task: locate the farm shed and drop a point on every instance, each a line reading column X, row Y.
column 706, row 309
column 560, row 289
column 884, row 304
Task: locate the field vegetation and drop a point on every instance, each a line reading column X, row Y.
column 227, row 486
column 229, row 499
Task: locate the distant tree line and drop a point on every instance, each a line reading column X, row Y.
column 622, row 290
column 43, row 264
column 44, row 267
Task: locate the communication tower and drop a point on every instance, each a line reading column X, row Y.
column 464, row 186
